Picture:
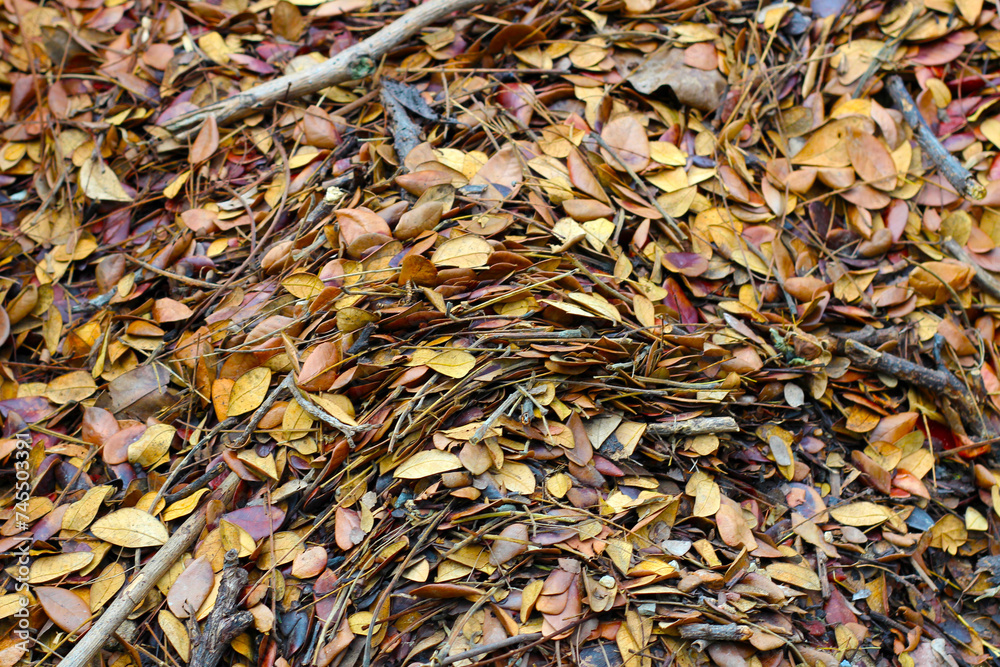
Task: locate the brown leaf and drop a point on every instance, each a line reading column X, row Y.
column 206, row 143
column 511, row 543
column 698, row 88
column 287, row 21
column 348, row 528
column 191, row 588
column 64, row 607
column 628, row 139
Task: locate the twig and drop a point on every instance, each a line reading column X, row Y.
column 225, row 622
column 181, row 540
column 326, row 205
column 172, row 478
column 599, row 284
column 717, row 633
column 383, row 597
column 960, row 177
column 195, row 485
column 942, row 384
column 324, row 416
column 503, row 409
column 697, row 426
column 193, row 282
column 887, row 49
column 489, row 648
column 251, row 426
column 355, row 62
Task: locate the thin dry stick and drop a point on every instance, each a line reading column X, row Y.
column 695, row 426
column 133, row 594
column 352, row 63
column 490, row 648
column 949, row 166
column 718, row 633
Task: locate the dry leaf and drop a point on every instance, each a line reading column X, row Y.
column 99, row 182
column 131, row 528
column 249, row 391
column 425, row 464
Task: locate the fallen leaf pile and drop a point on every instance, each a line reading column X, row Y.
column 611, row 333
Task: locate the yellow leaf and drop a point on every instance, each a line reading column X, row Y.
column 351, row 319
column 707, row 495
column 174, row 187
column 215, row 47
column 98, row 181
column 336, row 405
column 235, row 537
column 249, row 391
column 130, row 527
column 974, row 520
column 620, row 552
column 559, row 484
column 183, row 507
column 644, row 310
column 264, row 465
column 359, row 622
column 283, row 548
column 296, row 422
column 949, row 534
column 74, row 386
column 464, row 252
column 529, row 596
column 970, row 9
column 79, row 514
column 860, row 514
column 796, row 575
column 597, row 304
column 112, row 578
column 453, row 363
column 55, row 567
column 145, row 503
column 598, row 232
column 517, row 477
column 667, row 154
column 670, row 180
column 152, row 446
column 425, row 464
column 631, row 652
column 12, row 603
column 991, row 130
column 303, row 285
column 175, row 632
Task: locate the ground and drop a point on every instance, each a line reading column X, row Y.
column 611, row 333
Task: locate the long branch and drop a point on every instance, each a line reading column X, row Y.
column 355, row 62
column 182, row 539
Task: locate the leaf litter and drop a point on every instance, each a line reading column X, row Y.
column 625, row 333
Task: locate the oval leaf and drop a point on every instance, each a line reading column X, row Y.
column 249, row 391
column 131, row 527
column 425, row 464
